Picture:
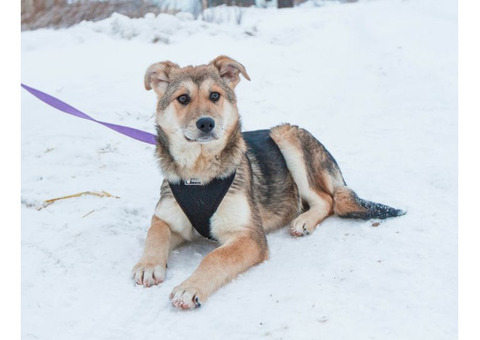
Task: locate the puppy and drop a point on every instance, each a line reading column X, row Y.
column 230, row 186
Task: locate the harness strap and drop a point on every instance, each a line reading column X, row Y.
column 199, row 202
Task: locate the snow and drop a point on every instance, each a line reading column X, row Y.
column 375, row 81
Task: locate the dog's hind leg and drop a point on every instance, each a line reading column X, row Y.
column 320, row 206
column 302, row 152
column 320, row 182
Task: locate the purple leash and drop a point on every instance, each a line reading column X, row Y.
column 140, row 135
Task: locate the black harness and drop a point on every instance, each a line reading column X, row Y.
column 199, row 202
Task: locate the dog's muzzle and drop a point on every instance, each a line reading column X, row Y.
column 204, row 132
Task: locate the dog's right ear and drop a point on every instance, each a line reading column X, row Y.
column 157, row 76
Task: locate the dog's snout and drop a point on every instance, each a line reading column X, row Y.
column 206, row 124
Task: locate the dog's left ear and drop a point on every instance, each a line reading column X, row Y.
column 229, row 70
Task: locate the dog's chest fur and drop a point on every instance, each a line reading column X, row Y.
column 180, row 160
column 263, row 193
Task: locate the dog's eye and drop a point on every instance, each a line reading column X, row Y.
column 184, row 99
column 214, row 96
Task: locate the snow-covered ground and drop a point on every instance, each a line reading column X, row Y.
column 375, row 81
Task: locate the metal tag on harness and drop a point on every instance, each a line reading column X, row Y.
column 193, row 181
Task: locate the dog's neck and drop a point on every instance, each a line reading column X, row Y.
column 183, row 161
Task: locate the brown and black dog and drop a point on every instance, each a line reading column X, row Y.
column 279, row 177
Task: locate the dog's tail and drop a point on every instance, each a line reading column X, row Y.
column 347, row 204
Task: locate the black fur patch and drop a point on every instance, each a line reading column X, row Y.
column 372, row 210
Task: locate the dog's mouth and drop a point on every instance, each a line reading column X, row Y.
column 201, row 139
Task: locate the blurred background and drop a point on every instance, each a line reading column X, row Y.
column 65, row 13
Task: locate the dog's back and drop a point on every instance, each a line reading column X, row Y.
column 274, row 189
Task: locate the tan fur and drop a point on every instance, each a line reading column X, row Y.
column 157, row 76
column 345, row 202
column 229, row 70
column 258, row 201
column 320, row 204
column 217, row 268
column 150, row 269
column 291, row 136
column 169, row 211
column 232, row 216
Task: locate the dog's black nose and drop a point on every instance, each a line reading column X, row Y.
column 205, row 124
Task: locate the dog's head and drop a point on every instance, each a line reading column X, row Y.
column 196, row 104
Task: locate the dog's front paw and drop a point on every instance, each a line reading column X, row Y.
column 148, row 272
column 186, row 296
